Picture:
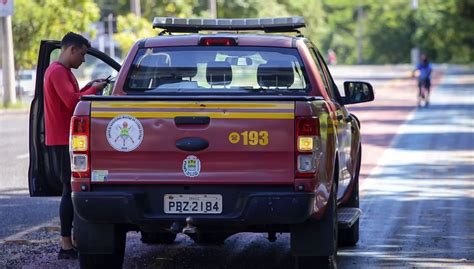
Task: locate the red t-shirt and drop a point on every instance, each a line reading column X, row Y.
column 61, row 95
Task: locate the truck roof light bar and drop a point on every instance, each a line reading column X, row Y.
column 181, row 25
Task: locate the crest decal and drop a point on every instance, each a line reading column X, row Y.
column 124, row 133
column 191, row 166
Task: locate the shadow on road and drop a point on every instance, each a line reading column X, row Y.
column 19, row 211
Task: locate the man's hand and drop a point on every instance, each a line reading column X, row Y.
column 96, row 80
column 99, row 84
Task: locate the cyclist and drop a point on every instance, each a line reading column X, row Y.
column 424, row 78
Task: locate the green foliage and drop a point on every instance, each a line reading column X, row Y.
column 444, row 29
column 36, row 20
column 388, row 27
column 154, row 8
column 130, row 29
column 171, row 8
column 339, row 30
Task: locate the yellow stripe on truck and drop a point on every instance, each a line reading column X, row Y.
column 203, row 105
column 215, row 115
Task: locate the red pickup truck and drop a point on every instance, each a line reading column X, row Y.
column 211, row 135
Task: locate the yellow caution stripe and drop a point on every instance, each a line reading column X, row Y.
column 216, row 115
column 202, row 105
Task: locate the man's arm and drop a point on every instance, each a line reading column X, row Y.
column 87, row 88
column 413, row 72
column 66, row 90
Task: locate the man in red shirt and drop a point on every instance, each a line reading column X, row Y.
column 61, row 95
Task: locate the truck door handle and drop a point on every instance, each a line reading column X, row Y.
column 184, row 120
column 192, row 144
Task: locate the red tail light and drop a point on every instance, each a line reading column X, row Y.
column 79, row 146
column 307, row 144
column 217, row 41
column 307, row 126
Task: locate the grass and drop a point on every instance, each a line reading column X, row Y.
column 17, row 105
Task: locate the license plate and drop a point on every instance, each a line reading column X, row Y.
column 193, row 203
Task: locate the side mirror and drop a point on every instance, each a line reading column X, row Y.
column 357, row 92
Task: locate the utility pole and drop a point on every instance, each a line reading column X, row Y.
column 213, row 8
column 110, row 21
column 6, row 12
column 415, row 52
column 135, row 7
column 359, row 34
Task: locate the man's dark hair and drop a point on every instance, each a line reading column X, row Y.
column 73, row 39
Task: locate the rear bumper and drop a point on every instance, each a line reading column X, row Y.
column 241, row 207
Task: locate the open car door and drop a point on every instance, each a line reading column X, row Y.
column 43, row 177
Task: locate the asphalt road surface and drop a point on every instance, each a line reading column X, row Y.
column 18, row 211
column 417, row 189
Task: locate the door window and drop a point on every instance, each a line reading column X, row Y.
column 335, row 93
column 321, row 73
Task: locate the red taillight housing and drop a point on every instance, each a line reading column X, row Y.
column 79, row 147
column 217, row 41
column 307, row 144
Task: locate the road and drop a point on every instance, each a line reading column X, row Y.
column 418, row 203
column 18, row 211
column 417, row 189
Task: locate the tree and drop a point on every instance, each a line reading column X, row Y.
column 389, row 37
column 36, row 20
column 153, row 8
column 442, row 28
column 130, row 29
column 446, row 30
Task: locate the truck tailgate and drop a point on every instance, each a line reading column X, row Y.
column 164, row 142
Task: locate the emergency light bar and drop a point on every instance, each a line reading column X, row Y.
column 179, row 25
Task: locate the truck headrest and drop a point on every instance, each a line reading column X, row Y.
column 163, row 66
column 219, row 73
column 154, row 60
column 275, row 74
column 184, row 68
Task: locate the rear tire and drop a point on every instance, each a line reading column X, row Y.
column 350, row 237
column 113, row 260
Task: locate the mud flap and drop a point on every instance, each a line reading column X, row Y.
column 94, row 238
column 314, row 237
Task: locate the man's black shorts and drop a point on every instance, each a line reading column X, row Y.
column 426, row 82
column 61, row 163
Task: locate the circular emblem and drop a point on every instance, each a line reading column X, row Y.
column 124, row 133
column 234, row 138
column 191, row 166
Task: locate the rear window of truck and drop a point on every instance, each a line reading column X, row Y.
column 217, row 70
